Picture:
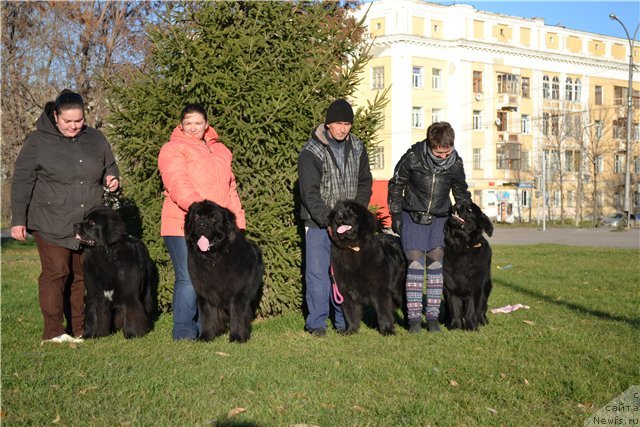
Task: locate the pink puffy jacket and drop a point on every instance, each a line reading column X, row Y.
column 193, row 170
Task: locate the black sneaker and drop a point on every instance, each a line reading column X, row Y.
column 319, row 332
column 433, row 326
column 415, row 327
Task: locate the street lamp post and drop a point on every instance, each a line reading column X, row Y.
column 627, row 172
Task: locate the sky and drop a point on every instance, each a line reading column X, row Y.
column 591, row 16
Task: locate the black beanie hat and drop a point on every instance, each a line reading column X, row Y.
column 339, row 111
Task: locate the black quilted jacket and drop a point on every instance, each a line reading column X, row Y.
column 417, row 188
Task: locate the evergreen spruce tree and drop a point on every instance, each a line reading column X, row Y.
column 266, row 72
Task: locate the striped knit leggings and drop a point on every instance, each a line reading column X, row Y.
column 418, row 260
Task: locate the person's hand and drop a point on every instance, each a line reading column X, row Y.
column 112, row 183
column 19, row 232
column 396, row 223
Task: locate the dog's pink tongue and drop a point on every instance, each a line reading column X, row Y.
column 343, row 228
column 203, row 244
column 78, row 237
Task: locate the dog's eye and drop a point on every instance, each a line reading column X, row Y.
column 92, row 222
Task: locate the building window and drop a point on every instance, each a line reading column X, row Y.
column 376, row 157
column 635, row 132
column 577, row 90
column 599, row 128
column 417, row 77
column 599, row 198
column 477, row 81
column 436, row 79
column 576, row 130
column 508, row 156
column 599, row 164
column 525, row 121
column 618, row 163
column 619, row 128
column 417, row 117
column 618, row 200
column 555, row 88
column 377, row 78
column 636, row 164
column 477, row 120
column 571, row 199
column 436, row 115
column 525, row 87
column 545, row 124
column 571, row 161
column 555, row 125
column 508, row 83
column 525, row 199
column 546, row 89
column 556, row 198
column 598, row 96
column 502, row 121
column 477, row 158
column 620, row 95
column 525, row 160
column 568, row 89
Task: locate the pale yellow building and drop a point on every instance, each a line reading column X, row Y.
column 516, row 91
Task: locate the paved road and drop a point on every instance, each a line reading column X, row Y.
column 564, row 236
column 601, row 236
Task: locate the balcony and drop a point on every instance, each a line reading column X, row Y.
column 508, row 101
column 509, row 137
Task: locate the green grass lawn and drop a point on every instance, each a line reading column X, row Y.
column 572, row 352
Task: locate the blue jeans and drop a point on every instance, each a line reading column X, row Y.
column 186, row 324
column 318, row 293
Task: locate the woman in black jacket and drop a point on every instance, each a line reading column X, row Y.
column 419, row 203
column 59, row 175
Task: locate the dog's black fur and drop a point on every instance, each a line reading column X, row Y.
column 119, row 276
column 368, row 268
column 467, row 266
column 226, row 274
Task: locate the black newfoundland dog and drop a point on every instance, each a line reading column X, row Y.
column 368, row 268
column 119, row 276
column 226, row 270
column 467, row 266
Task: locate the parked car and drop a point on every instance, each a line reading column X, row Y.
column 614, row 220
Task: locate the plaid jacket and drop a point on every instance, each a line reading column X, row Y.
column 322, row 184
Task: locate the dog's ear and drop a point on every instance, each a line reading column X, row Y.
column 114, row 227
column 368, row 225
column 485, row 223
column 229, row 224
column 190, row 218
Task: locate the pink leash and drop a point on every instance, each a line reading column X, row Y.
column 337, row 296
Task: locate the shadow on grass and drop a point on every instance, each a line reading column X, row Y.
column 232, row 423
column 634, row 322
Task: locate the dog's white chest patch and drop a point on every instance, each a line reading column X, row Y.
column 109, row 295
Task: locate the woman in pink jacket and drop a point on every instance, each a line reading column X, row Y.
column 194, row 166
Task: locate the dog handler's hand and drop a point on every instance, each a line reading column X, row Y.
column 112, row 183
column 396, row 223
column 19, row 232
